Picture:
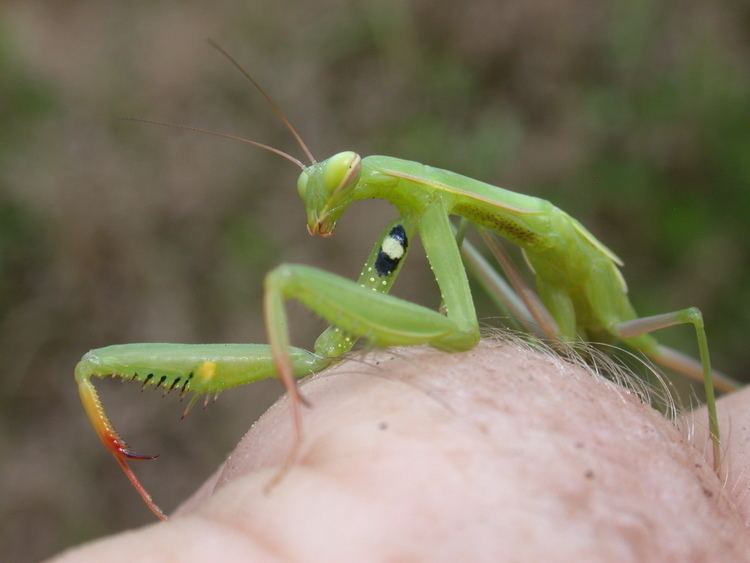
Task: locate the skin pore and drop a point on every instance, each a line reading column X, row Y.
column 498, row 453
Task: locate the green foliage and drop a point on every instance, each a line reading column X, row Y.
column 24, row 98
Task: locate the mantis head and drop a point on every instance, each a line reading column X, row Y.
column 326, row 188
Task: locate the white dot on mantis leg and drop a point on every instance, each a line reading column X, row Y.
column 384, row 282
column 369, row 269
column 372, row 279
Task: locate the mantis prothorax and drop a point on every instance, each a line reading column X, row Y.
column 578, row 282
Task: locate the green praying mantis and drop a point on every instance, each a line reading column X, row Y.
column 580, row 291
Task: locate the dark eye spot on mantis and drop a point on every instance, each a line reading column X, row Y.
column 391, row 251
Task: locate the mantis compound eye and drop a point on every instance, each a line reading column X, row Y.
column 342, row 172
column 302, row 184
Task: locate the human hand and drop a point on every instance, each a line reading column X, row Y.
column 496, row 454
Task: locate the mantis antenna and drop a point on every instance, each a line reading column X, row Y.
column 263, row 146
column 276, row 109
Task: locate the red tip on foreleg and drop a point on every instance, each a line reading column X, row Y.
column 112, row 441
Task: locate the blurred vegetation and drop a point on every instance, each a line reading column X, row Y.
column 633, row 116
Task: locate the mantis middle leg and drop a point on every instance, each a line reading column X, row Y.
column 633, row 331
column 518, row 299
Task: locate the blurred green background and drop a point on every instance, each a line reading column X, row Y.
column 632, row 116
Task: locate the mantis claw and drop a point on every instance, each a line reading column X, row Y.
column 111, row 439
column 141, row 457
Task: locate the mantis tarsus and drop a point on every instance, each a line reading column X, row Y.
column 579, row 285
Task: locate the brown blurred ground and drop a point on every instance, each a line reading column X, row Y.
column 631, row 116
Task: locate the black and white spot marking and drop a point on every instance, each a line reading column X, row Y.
column 391, row 251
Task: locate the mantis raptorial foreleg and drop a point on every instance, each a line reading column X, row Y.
column 362, row 311
column 308, row 285
column 379, row 273
column 445, row 261
column 201, row 369
column 206, row 369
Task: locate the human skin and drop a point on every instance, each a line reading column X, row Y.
column 497, row 454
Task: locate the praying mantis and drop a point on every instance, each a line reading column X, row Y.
column 579, row 289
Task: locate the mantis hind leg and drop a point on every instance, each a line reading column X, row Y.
column 689, row 367
column 635, row 328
